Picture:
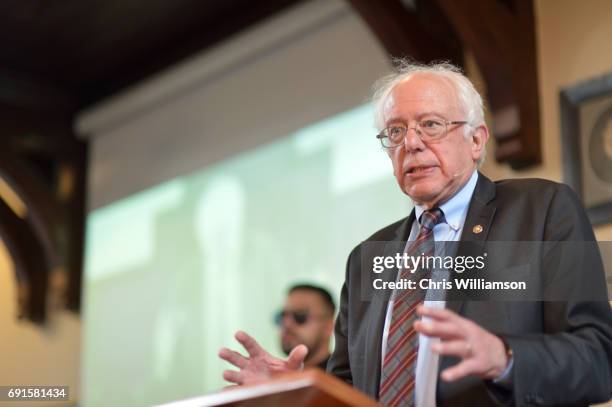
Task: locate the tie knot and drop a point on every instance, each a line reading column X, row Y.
column 431, row 218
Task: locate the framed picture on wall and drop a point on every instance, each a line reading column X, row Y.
column 586, row 134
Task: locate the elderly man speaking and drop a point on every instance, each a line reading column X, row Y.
column 461, row 353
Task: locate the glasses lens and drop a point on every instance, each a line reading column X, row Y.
column 300, row 318
column 278, row 318
column 385, row 142
column 432, row 128
column 395, row 134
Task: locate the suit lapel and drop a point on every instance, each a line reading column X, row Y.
column 475, row 231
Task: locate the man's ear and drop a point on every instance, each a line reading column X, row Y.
column 479, row 138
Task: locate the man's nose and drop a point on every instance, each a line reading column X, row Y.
column 412, row 140
column 287, row 320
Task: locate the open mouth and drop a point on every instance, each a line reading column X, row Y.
column 420, row 169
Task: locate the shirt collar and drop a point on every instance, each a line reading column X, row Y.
column 455, row 208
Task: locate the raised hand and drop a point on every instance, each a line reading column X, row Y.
column 483, row 354
column 259, row 365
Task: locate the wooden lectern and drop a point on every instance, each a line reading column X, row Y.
column 311, row 387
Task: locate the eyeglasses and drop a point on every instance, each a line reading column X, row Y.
column 299, row 317
column 430, row 130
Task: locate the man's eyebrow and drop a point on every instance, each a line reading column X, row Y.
column 394, row 120
column 430, row 113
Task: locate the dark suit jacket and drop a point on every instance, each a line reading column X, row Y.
column 562, row 349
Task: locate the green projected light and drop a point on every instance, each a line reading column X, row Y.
column 174, row 271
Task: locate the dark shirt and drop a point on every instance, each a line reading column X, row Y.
column 323, row 364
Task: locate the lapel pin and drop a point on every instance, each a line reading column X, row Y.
column 477, row 229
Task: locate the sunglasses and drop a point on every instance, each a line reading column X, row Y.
column 299, row 317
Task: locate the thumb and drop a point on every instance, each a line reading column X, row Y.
column 296, row 357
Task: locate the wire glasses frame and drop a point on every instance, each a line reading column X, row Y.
column 427, row 130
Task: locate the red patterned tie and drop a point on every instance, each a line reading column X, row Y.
column 397, row 376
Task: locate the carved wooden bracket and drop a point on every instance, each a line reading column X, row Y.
column 30, row 261
column 45, row 165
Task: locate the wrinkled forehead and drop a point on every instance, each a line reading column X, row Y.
column 423, row 93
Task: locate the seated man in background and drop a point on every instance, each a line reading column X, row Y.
column 307, row 318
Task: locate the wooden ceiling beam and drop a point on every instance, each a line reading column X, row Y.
column 404, row 33
column 27, row 92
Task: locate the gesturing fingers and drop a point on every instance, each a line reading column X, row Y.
column 233, row 376
column 250, row 344
column 233, row 357
column 442, row 330
column 462, row 369
column 459, row 348
column 439, row 314
column 296, row 357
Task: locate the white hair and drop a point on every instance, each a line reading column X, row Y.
column 469, row 98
